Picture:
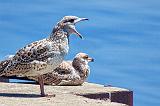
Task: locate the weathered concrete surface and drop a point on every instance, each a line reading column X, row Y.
column 13, row 94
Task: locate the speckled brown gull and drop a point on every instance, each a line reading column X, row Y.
column 69, row 72
column 41, row 57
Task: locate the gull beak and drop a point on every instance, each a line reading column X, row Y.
column 80, row 19
column 90, row 59
column 77, row 33
column 74, row 29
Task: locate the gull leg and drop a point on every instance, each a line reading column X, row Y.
column 41, row 83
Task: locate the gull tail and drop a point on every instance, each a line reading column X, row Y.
column 3, row 65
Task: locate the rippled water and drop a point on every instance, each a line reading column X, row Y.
column 122, row 35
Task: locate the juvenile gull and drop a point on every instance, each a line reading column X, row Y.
column 42, row 56
column 69, row 72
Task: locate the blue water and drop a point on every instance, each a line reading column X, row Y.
column 122, row 35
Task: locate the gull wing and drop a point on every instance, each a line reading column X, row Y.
column 39, row 51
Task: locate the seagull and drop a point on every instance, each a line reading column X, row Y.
column 69, row 72
column 41, row 57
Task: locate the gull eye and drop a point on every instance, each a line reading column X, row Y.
column 71, row 20
column 86, row 57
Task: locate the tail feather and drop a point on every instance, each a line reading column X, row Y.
column 3, row 65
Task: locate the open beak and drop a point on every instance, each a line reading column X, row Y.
column 74, row 29
column 77, row 33
column 90, row 59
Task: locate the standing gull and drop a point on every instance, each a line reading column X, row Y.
column 69, row 72
column 42, row 56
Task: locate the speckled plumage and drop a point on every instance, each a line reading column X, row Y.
column 69, row 72
column 42, row 56
column 38, row 57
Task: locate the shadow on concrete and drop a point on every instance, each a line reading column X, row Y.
column 99, row 96
column 18, row 95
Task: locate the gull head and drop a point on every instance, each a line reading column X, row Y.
column 68, row 24
column 83, row 57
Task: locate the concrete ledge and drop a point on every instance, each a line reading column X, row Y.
column 13, row 94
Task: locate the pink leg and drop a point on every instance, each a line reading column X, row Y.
column 41, row 83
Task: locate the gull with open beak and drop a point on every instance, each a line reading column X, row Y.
column 43, row 56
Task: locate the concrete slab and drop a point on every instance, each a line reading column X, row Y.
column 13, row 94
